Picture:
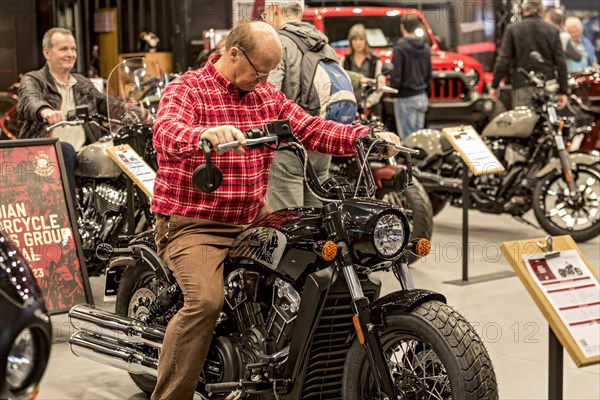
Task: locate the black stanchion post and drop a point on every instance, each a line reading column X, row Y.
column 466, row 198
column 555, row 367
column 130, row 208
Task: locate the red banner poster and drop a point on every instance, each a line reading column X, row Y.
column 38, row 216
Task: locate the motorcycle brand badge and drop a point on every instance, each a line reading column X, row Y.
column 263, row 245
column 43, row 166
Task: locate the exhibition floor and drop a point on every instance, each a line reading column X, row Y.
column 504, row 314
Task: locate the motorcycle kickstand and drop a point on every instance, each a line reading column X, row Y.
column 523, row 220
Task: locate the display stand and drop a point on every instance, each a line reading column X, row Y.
column 479, row 160
column 566, row 290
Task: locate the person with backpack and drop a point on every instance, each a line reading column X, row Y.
column 412, row 76
column 310, row 75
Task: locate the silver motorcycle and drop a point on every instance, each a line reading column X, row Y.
column 109, row 204
column 562, row 189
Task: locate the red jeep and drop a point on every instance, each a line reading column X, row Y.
column 456, row 95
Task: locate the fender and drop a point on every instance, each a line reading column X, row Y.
column 402, row 300
column 575, row 158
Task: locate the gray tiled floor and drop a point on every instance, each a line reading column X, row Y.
column 514, row 330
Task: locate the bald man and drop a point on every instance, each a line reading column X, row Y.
column 193, row 230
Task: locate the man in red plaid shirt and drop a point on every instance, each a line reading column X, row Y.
column 193, row 229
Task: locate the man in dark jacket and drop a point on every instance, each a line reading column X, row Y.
column 522, row 38
column 48, row 94
column 411, row 76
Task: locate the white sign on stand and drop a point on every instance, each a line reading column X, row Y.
column 473, row 150
column 134, row 166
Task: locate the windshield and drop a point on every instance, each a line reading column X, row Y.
column 134, row 88
column 382, row 30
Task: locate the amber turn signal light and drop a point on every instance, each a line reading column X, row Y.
column 419, row 247
column 327, row 250
column 359, row 332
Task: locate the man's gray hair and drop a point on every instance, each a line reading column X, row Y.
column 47, row 40
column 295, row 7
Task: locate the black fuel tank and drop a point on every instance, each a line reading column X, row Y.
column 282, row 241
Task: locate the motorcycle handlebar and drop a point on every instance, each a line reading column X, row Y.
column 531, row 77
column 64, row 123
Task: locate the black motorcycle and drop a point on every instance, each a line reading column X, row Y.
column 303, row 315
column 563, row 189
column 26, row 330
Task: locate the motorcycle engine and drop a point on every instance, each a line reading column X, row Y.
column 258, row 336
column 100, row 209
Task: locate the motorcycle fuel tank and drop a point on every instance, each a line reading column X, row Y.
column 94, row 161
column 518, row 123
column 282, row 242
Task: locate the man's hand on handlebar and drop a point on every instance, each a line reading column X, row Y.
column 392, row 138
column 51, row 116
column 224, row 134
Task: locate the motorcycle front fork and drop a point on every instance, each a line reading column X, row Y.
column 565, row 163
column 367, row 335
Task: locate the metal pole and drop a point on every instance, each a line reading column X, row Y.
column 465, row 231
column 555, row 367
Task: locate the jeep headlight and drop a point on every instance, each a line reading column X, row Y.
column 472, row 77
column 389, row 235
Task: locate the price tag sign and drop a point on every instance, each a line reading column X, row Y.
column 565, row 289
column 134, row 166
column 473, row 151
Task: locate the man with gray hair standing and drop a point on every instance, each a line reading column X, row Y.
column 286, row 184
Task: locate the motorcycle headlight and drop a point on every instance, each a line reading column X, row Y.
column 21, row 360
column 389, row 235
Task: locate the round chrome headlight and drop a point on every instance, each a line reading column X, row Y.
column 21, row 360
column 389, row 235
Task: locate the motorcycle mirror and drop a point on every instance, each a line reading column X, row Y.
column 536, row 56
column 387, row 68
column 401, row 180
column 208, row 177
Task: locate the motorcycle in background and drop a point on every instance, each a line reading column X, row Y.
column 105, row 194
column 303, row 315
column 585, row 95
column 390, row 175
column 9, row 123
column 562, row 189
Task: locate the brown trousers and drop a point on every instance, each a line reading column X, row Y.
column 194, row 250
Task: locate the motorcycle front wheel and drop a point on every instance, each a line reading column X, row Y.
column 432, row 353
column 137, row 290
column 417, row 207
column 562, row 213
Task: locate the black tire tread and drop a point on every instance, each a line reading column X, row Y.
column 461, row 341
column 130, row 277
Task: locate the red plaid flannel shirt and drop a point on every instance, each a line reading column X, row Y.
column 202, row 99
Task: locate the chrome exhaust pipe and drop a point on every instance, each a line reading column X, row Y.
column 103, row 323
column 111, row 352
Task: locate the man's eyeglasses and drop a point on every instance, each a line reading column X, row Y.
column 258, row 74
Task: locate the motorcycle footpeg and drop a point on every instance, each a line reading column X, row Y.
column 222, row 387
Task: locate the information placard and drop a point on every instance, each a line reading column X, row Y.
column 134, row 166
column 36, row 211
column 565, row 289
column 473, row 150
